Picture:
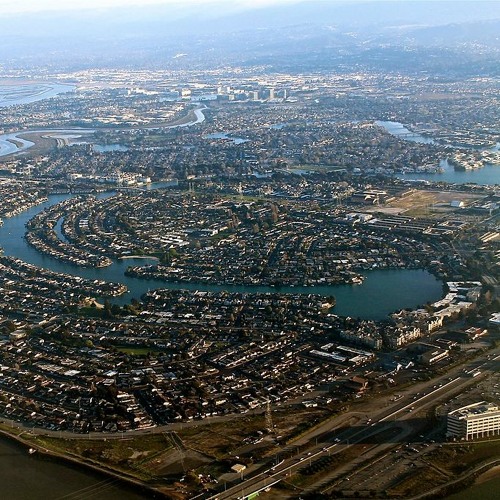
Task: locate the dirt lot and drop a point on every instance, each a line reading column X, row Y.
column 246, row 436
column 424, row 203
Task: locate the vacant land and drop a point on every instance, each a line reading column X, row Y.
column 424, row 203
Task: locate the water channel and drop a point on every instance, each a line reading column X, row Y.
column 486, row 176
column 382, row 292
column 15, row 143
column 226, row 137
column 399, row 130
column 108, row 148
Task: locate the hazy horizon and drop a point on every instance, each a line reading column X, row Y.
column 10, row 7
column 23, row 6
column 263, row 32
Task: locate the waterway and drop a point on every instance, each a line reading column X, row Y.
column 382, row 292
column 399, row 130
column 27, row 476
column 225, row 136
column 108, row 148
column 16, row 94
column 14, row 143
column 488, row 490
column 489, row 175
column 199, row 118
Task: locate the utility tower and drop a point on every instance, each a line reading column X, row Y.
column 269, row 417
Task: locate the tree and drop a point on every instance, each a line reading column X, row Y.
column 10, row 326
column 107, row 312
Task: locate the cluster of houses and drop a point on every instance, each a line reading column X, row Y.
column 271, row 243
column 31, row 292
column 18, row 196
column 184, row 355
column 41, row 234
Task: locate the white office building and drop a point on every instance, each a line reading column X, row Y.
column 474, row 421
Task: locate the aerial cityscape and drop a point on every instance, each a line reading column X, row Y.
column 250, row 249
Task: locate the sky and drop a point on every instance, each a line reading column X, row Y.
column 18, row 6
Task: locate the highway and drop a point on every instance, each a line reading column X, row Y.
column 438, row 389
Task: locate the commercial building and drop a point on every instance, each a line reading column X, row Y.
column 474, row 421
column 495, row 320
column 433, row 356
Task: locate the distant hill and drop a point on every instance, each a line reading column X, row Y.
column 321, row 35
column 182, row 18
column 375, row 14
column 485, row 33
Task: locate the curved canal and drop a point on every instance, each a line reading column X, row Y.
column 382, row 292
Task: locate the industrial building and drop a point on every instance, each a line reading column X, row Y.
column 474, row 421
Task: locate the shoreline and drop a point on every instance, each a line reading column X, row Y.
column 490, row 474
column 473, row 477
column 45, row 90
column 193, row 117
column 146, row 257
column 18, row 144
column 74, row 462
column 467, row 480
